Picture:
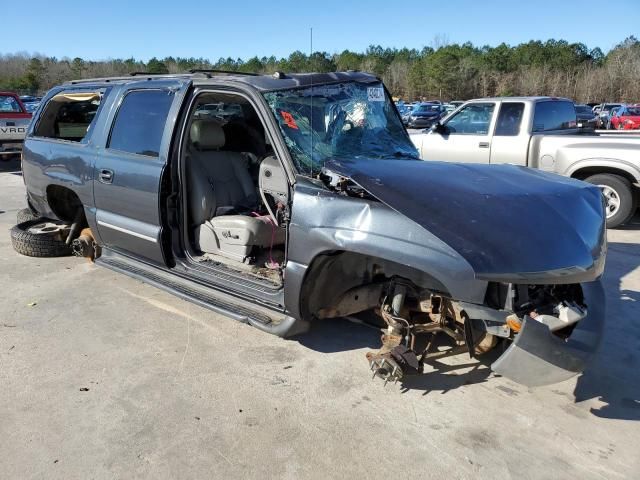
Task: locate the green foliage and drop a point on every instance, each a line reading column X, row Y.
column 554, row 67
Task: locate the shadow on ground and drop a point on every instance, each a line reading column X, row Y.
column 338, row 335
column 334, row 335
column 614, row 375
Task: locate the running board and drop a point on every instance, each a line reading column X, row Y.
column 267, row 320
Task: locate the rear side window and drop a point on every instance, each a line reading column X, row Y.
column 9, row 104
column 554, row 115
column 509, row 119
column 69, row 115
column 140, row 122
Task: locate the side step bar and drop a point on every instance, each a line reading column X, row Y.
column 267, row 320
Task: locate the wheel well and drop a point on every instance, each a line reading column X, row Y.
column 331, row 274
column 64, row 203
column 583, row 173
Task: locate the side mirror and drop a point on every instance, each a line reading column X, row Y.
column 438, row 128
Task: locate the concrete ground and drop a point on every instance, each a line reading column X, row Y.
column 104, row 377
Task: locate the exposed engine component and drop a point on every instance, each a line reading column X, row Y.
column 414, row 317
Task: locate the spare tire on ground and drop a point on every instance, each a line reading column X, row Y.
column 26, row 215
column 41, row 238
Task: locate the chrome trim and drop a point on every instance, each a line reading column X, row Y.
column 129, row 232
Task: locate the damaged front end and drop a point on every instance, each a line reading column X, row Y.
column 549, row 331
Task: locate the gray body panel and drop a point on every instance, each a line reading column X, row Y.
column 323, row 221
column 485, row 214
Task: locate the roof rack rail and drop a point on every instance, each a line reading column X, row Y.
column 135, row 74
column 226, row 72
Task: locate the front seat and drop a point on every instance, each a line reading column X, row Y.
column 219, row 182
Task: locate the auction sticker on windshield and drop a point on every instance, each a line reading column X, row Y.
column 375, row 94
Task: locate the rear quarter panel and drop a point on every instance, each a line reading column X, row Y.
column 47, row 162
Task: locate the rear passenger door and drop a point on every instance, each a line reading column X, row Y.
column 129, row 167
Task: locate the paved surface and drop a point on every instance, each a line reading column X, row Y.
column 176, row 391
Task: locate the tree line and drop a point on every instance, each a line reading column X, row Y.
column 443, row 71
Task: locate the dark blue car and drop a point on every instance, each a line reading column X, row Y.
column 424, row 115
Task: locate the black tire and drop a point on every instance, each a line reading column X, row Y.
column 625, row 194
column 26, row 215
column 39, row 244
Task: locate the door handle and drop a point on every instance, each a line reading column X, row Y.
column 106, row 176
column 483, row 145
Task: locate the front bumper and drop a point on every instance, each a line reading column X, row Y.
column 538, row 357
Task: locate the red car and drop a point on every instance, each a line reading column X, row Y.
column 626, row 117
column 14, row 120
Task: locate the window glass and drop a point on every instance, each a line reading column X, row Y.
column 474, row 119
column 351, row 120
column 554, row 115
column 633, row 111
column 509, row 119
column 69, row 115
column 9, row 104
column 140, row 122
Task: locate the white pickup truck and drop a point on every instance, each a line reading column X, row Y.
column 14, row 121
column 539, row 132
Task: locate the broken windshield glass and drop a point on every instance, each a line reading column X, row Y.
column 337, row 121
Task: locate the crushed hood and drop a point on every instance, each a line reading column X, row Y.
column 510, row 223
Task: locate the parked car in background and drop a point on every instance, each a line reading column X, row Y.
column 424, row 115
column 542, row 133
column 626, row 117
column 604, row 114
column 14, row 120
column 585, row 116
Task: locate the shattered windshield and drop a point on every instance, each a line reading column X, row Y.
column 341, row 120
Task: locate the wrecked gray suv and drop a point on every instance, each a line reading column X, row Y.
column 287, row 199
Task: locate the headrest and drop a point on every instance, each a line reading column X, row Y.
column 206, row 135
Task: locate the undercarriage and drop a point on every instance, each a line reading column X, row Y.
column 414, row 318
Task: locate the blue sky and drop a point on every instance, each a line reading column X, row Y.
column 244, row 28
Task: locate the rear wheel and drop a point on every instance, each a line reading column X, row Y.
column 41, row 238
column 621, row 202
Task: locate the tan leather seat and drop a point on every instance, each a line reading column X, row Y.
column 220, row 181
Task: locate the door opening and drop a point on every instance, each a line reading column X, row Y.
column 235, row 190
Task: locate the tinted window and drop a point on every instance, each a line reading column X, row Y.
column 554, row 115
column 509, row 119
column 69, row 115
column 474, row 119
column 140, row 121
column 634, row 111
column 9, row 104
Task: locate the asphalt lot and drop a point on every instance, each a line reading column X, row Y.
column 105, row 377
